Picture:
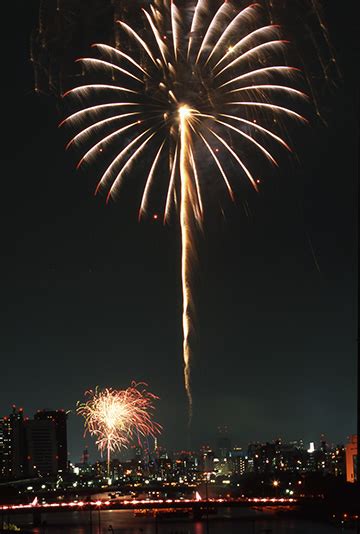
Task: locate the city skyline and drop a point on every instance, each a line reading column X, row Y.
column 39, row 447
column 215, row 436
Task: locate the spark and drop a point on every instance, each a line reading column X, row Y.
column 162, row 46
column 258, row 127
column 111, row 50
column 249, row 138
column 100, row 143
column 94, row 110
column 103, row 122
column 140, row 41
column 256, row 33
column 175, row 28
column 149, row 181
column 200, row 8
column 272, row 87
column 278, row 69
column 244, row 168
column 212, row 29
column 252, row 51
column 117, row 181
column 273, row 107
column 220, row 167
column 108, row 65
column 117, row 417
column 247, row 12
column 98, row 86
column 109, row 171
column 189, row 92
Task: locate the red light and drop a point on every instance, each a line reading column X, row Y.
column 155, row 216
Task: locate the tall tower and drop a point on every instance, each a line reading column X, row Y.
column 41, row 447
column 59, row 419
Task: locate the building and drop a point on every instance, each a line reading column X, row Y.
column 59, row 418
column 337, row 461
column 207, row 457
column 223, row 442
column 33, row 447
column 238, row 461
column 351, row 451
column 42, row 447
column 12, row 445
column 2, row 448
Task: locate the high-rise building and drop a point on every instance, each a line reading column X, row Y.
column 31, row 447
column 59, row 418
column 2, row 448
column 207, row 457
column 12, row 445
column 238, row 461
column 41, row 447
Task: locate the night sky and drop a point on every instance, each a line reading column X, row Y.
column 93, row 298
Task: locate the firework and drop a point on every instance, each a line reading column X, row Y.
column 115, row 418
column 197, row 83
column 63, row 25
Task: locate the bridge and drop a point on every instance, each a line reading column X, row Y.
column 198, row 507
column 146, row 504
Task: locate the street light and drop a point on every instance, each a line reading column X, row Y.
column 276, row 485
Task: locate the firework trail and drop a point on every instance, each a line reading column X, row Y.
column 185, row 223
column 116, row 417
column 216, row 82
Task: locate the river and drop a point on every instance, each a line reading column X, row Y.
column 124, row 522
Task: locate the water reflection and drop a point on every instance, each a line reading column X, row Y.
column 124, row 522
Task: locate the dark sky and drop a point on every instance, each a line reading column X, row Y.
column 93, row 298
